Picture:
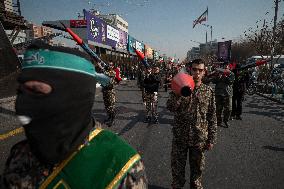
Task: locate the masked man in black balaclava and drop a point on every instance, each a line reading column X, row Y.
column 65, row 147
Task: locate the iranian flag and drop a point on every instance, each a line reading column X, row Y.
column 202, row 18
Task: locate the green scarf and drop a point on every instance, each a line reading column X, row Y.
column 101, row 163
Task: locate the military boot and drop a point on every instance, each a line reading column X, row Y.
column 238, row 117
column 227, row 125
column 111, row 120
column 147, row 119
column 156, row 121
column 232, row 117
column 108, row 119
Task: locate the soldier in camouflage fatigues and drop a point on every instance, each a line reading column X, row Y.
column 239, row 88
column 109, row 96
column 167, row 79
column 223, row 95
column 194, row 129
column 151, row 85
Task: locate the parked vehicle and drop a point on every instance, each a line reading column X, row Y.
column 252, row 84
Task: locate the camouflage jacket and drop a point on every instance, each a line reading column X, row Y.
column 239, row 86
column 194, row 116
column 224, row 85
column 110, row 73
column 140, row 77
column 24, row 171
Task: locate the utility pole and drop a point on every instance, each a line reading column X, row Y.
column 273, row 32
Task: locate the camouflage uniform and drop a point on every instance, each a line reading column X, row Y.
column 151, row 84
column 167, row 79
column 24, row 171
column 239, row 88
column 193, row 129
column 151, row 100
column 223, row 96
column 109, row 96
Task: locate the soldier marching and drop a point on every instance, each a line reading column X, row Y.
column 109, row 95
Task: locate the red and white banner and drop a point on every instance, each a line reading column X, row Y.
column 78, row 23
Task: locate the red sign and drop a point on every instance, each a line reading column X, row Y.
column 78, row 23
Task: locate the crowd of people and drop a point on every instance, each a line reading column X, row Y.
column 65, row 147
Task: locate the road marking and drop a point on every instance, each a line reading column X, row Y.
column 11, row 133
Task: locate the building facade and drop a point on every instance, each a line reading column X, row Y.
column 193, row 53
column 209, row 48
column 116, row 21
column 37, row 31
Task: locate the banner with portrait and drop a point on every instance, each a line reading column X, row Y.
column 224, row 50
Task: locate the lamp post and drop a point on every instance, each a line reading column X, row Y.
column 211, row 30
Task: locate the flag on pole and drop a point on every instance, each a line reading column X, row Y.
column 202, row 18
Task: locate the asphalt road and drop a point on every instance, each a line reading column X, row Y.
column 248, row 155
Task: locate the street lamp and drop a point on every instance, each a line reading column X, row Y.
column 211, row 28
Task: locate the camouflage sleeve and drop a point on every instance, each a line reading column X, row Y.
column 212, row 119
column 215, row 79
column 16, row 173
column 172, row 103
column 207, row 79
column 230, row 79
column 111, row 74
column 135, row 178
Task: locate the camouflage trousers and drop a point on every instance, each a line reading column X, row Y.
column 178, row 164
column 237, row 104
column 223, row 107
column 143, row 94
column 151, row 100
column 109, row 101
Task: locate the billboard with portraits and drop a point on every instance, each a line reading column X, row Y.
column 123, row 40
column 100, row 32
column 132, row 42
column 96, row 28
column 148, row 52
column 224, row 50
column 155, row 55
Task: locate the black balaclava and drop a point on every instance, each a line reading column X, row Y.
column 61, row 120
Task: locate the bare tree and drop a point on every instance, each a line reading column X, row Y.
column 267, row 38
column 260, row 38
column 242, row 50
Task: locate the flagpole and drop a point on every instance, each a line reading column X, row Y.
column 211, row 32
column 207, row 13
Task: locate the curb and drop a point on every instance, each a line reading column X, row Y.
column 270, row 98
